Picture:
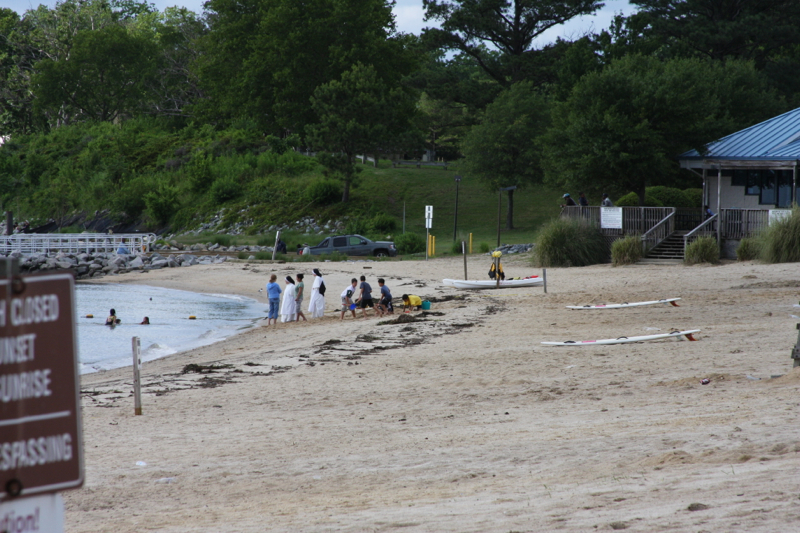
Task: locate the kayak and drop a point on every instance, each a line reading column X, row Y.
column 624, row 340
column 489, row 284
column 625, row 304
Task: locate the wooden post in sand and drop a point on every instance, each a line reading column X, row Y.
column 796, row 350
column 464, row 251
column 544, row 279
column 137, row 385
column 277, row 240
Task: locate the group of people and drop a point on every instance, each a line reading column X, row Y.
column 287, row 302
column 294, row 292
column 583, row 202
column 112, row 320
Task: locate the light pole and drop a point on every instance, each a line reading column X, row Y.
column 455, row 218
column 499, row 208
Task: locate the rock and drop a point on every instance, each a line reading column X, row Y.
column 159, row 263
column 136, row 264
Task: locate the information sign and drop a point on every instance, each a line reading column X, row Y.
column 428, row 216
column 778, row 214
column 611, row 217
column 41, row 443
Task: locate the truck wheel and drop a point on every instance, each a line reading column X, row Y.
column 381, row 253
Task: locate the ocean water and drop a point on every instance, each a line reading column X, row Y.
column 170, row 331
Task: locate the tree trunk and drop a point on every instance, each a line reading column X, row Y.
column 640, row 192
column 510, row 214
column 346, row 192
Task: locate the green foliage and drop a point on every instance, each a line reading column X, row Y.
column 632, row 200
column 483, row 248
column 749, row 248
column 702, row 250
column 224, row 190
column 626, row 251
column 383, row 223
column 695, row 197
column 409, row 243
column 455, row 248
column 668, row 196
column 162, row 202
column 324, row 191
column 223, row 240
column 780, row 242
column 569, row 242
column 621, row 127
column 333, row 256
column 358, row 225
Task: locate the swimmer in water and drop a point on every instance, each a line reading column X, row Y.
column 112, row 319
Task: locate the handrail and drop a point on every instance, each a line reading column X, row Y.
column 30, row 243
column 700, row 230
column 655, row 235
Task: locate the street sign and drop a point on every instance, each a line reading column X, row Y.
column 41, row 442
column 428, row 216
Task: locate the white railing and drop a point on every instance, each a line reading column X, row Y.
column 655, row 235
column 706, row 229
column 32, row 243
column 634, row 219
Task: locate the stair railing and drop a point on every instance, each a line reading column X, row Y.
column 658, row 233
column 707, row 229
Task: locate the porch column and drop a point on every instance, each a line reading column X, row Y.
column 794, row 183
column 719, row 205
column 705, row 190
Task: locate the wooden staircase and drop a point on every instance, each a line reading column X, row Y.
column 668, row 251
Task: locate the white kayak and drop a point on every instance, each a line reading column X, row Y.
column 490, row 284
column 625, row 304
column 624, row 340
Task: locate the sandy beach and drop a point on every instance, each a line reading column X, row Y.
column 461, row 420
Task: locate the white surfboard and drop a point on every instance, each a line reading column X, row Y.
column 448, row 282
column 626, row 304
column 624, row 340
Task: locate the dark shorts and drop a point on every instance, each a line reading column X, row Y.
column 366, row 302
column 386, row 302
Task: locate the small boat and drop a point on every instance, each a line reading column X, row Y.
column 532, row 281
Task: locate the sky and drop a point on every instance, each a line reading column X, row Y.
column 409, row 16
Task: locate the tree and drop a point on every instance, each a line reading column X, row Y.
column 508, row 27
column 501, row 151
column 358, row 114
column 621, row 128
column 103, row 78
column 265, row 58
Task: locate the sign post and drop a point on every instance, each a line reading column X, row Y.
column 41, row 441
column 428, row 226
column 136, row 345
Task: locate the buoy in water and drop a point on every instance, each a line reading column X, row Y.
column 89, row 316
column 192, row 317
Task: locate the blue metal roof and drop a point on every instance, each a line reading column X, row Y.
column 776, row 139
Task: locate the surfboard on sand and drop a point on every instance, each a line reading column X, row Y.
column 670, row 301
column 623, row 340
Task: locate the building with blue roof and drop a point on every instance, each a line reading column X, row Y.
column 755, row 168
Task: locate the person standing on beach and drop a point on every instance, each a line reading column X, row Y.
column 385, row 304
column 365, row 297
column 582, row 200
column 300, row 289
column 274, row 295
column 288, row 306
column 347, row 295
column 316, row 306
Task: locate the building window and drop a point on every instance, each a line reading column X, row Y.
column 739, row 178
column 784, row 188
column 753, row 187
column 769, row 187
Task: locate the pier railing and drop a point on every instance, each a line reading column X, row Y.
column 32, row 243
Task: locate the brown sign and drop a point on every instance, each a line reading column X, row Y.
column 41, row 445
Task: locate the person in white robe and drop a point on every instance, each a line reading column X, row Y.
column 316, row 306
column 288, row 305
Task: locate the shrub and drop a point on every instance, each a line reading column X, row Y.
column 695, row 197
column 781, row 240
column 626, row 251
column 455, row 249
column 324, row 191
column 668, row 196
column 483, row 247
column 632, row 200
column 570, row 242
column 358, row 226
column 223, row 240
column 162, row 203
column 383, row 223
column 225, row 189
column 702, row 250
column 333, row 256
column 749, row 248
column 409, row 243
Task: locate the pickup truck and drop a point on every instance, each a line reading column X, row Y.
column 354, row 245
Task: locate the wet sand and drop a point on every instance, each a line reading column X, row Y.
column 462, row 421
